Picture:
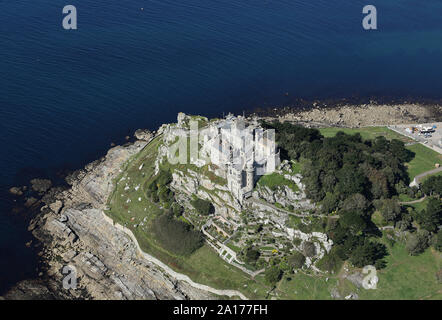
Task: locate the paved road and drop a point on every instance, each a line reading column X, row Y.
column 423, row 175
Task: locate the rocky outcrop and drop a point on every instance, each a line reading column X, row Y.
column 365, row 115
column 284, row 196
column 16, row 191
column 75, row 232
column 107, row 262
column 191, row 183
column 41, row 185
column 144, row 134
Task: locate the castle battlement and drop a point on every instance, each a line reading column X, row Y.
column 241, row 149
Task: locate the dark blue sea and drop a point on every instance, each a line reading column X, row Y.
column 66, row 95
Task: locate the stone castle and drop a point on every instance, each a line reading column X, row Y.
column 239, row 150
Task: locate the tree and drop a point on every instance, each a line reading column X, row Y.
column 329, row 203
column 379, row 183
column 251, row 255
column 203, row 207
column 175, row 235
column 391, row 210
column 350, row 181
column 353, row 222
column 417, row 242
column 356, row 203
column 401, row 188
column 177, row 209
column 309, row 249
column 367, row 254
column 405, row 223
column 296, row 260
column 430, row 218
column 330, row 262
column 273, row 275
column 438, row 241
column 433, row 185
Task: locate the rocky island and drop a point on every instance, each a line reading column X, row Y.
column 230, row 223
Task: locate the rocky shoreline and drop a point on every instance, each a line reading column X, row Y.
column 357, row 115
column 71, row 230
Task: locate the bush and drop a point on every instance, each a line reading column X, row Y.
column 177, row 209
column 438, row 241
column 273, row 275
column 391, row 210
column 430, row 218
column 296, row 260
column 296, row 241
column 367, row 254
column 176, row 236
column 252, row 255
column 164, row 178
column 309, row 249
column 433, row 185
column 417, row 242
column 203, row 207
column 330, row 262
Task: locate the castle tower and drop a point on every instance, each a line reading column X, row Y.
column 250, row 172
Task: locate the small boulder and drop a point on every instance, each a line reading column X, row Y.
column 143, row 134
column 56, row 206
column 30, row 202
column 41, row 185
column 16, row 191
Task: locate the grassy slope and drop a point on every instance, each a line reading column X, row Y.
column 424, row 160
column 407, row 277
column 403, row 277
column 366, row 133
column 273, row 180
column 204, row 265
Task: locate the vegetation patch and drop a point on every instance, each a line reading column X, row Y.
column 275, row 180
column 367, row 133
column 176, row 236
column 424, row 160
column 203, row 207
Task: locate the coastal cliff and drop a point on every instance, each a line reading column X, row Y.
column 74, row 231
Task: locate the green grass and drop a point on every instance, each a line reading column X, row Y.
column 306, row 287
column 366, row 133
column 233, row 247
column 407, row 277
column 424, row 160
column 273, row 180
column 202, row 266
column 419, row 206
column 378, row 220
column 405, row 198
column 404, row 277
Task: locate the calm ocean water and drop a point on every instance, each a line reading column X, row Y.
column 66, row 95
